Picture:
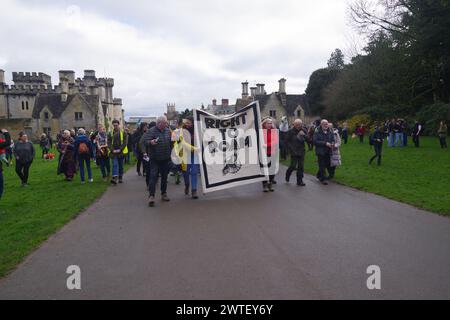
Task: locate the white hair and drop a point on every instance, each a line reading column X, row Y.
column 161, row 119
column 81, row 131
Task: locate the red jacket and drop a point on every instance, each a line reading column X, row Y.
column 271, row 140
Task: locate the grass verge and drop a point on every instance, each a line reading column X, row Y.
column 29, row 216
column 416, row 176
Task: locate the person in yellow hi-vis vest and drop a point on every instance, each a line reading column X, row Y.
column 117, row 142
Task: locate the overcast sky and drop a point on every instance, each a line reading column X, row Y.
column 179, row 51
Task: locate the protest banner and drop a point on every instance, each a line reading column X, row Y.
column 230, row 148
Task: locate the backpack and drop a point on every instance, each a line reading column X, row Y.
column 83, row 148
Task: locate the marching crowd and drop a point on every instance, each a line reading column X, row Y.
column 154, row 145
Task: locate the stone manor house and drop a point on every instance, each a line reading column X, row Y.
column 276, row 105
column 33, row 105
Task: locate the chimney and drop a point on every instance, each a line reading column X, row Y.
column 64, row 87
column 89, row 73
column 260, row 89
column 244, row 90
column 214, row 102
column 282, row 88
column 2, row 76
column 89, row 79
column 69, row 74
column 253, row 91
column 224, row 103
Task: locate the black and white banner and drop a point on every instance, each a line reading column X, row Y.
column 230, row 148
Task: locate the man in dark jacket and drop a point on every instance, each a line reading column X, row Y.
column 295, row 141
column 157, row 143
column 377, row 141
column 3, row 145
column 24, row 153
column 324, row 142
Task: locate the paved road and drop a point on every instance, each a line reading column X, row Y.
column 309, row 243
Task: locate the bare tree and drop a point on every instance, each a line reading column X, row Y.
column 368, row 16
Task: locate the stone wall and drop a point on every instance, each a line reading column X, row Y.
column 14, row 126
column 89, row 121
column 273, row 104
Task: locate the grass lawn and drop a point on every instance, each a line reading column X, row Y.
column 420, row 177
column 28, row 216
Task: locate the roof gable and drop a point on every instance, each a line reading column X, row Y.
column 56, row 107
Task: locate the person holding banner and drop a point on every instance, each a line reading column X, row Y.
column 192, row 168
column 271, row 143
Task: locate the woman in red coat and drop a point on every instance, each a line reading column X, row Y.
column 271, row 144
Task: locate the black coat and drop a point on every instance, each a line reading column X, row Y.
column 377, row 135
column 163, row 149
column 320, row 140
column 24, row 152
column 296, row 142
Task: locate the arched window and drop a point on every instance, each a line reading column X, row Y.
column 26, row 103
column 23, row 105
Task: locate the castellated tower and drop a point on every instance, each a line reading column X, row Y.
column 32, row 105
column 171, row 108
column 29, row 80
column 172, row 114
column 117, row 107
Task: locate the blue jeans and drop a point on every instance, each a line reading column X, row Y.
column 192, row 172
column 398, row 140
column 391, row 139
column 117, row 166
column 81, row 161
column 105, row 166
